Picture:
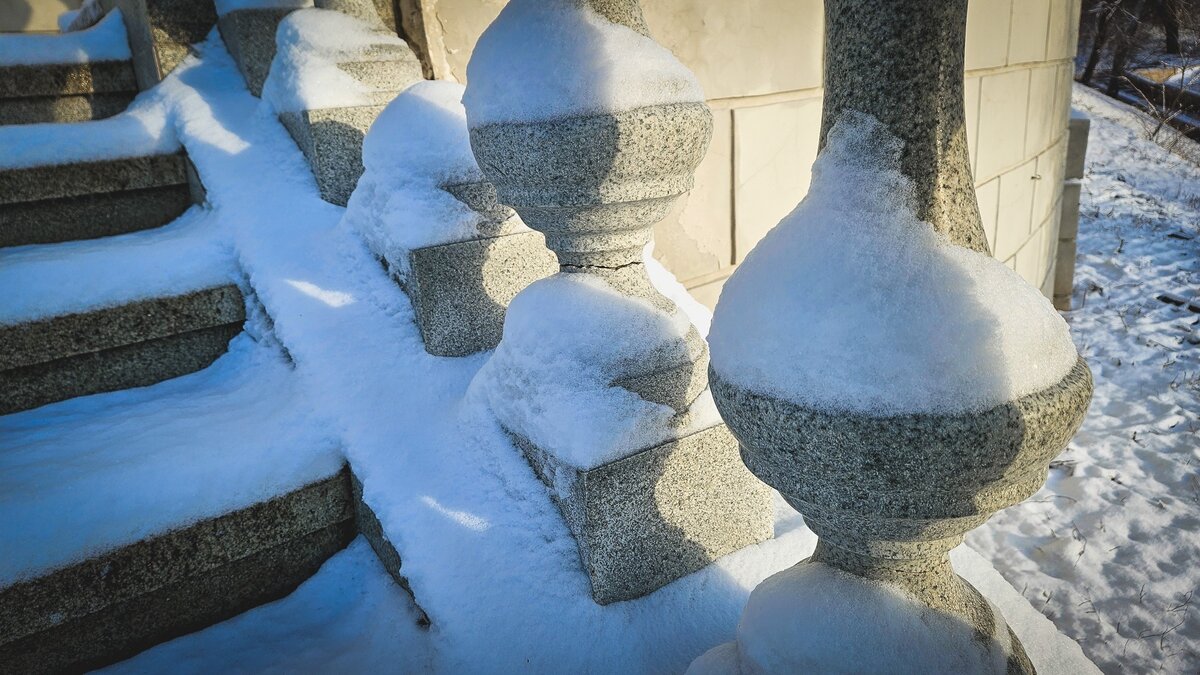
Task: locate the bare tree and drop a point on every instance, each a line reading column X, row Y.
column 1127, row 22
column 1103, row 12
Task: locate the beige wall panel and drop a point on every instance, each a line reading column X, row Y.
column 1027, row 39
column 1026, row 263
column 739, row 48
column 696, row 238
column 1048, row 187
column 774, row 147
column 987, row 33
column 18, row 16
column 708, row 293
column 454, row 29
column 743, row 47
column 1062, row 96
column 1060, row 43
column 1016, row 207
column 1043, row 115
column 1003, row 104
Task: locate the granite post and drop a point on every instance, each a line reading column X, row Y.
column 890, row 495
column 595, row 185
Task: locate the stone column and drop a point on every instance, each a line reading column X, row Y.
column 890, row 495
column 594, row 184
column 902, row 63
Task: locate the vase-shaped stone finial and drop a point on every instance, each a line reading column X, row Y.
column 595, row 179
column 591, row 131
column 891, row 448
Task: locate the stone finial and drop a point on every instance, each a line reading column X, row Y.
column 594, row 177
column 595, row 185
column 889, row 494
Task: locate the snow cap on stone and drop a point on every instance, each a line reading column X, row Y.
column 549, row 59
column 851, row 302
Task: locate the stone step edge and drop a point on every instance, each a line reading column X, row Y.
column 66, row 335
column 83, row 217
column 118, row 603
column 49, row 641
column 75, row 179
column 21, row 81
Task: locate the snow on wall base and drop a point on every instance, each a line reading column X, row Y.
column 648, row 519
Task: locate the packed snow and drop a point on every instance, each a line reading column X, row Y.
column 546, row 59
column 1109, row 548
column 417, row 145
column 309, row 44
column 104, row 41
column 813, row 618
column 566, row 339
column 189, row 254
column 852, row 303
column 132, row 464
column 142, row 129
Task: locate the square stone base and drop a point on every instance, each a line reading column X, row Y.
column 662, row 513
column 249, row 35
column 460, row 291
column 331, row 139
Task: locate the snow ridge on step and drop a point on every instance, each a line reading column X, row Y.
column 134, row 517
column 141, row 130
column 87, row 475
column 72, row 277
column 105, row 41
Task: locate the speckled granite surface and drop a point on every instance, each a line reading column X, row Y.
column 659, row 514
column 119, row 347
column 119, row 602
column 90, row 216
column 460, row 291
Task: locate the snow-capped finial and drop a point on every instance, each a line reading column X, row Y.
column 895, row 383
column 591, row 131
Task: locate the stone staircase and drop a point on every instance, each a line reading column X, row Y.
column 51, row 203
column 93, row 80
column 155, row 377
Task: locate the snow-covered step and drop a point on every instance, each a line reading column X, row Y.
column 62, row 182
column 127, row 311
column 138, row 516
column 71, row 77
column 129, row 345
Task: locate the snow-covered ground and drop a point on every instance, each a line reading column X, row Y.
column 1110, row 548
